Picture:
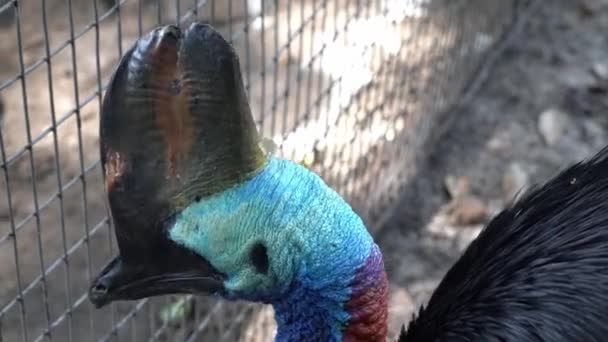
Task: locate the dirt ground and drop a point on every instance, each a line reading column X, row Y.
column 49, row 223
column 557, row 70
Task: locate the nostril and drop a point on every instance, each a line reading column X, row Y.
column 99, row 289
column 98, row 295
column 102, row 288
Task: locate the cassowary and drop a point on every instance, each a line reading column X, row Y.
column 199, row 207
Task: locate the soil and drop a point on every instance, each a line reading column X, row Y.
column 556, row 65
column 559, row 63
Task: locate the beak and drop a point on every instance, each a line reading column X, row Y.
column 123, row 281
column 181, row 93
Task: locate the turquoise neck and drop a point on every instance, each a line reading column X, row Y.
column 315, row 244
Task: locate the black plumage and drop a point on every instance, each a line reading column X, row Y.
column 176, row 127
column 537, row 272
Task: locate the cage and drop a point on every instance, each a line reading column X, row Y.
column 353, row 89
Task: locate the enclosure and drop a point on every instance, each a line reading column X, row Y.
column 356, row 90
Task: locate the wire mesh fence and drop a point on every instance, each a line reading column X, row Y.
column 351, row 88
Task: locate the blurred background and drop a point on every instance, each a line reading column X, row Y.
column 429, row 116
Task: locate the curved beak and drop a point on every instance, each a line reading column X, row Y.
column 123, row 281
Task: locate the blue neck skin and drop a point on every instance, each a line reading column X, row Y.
column 314, row 240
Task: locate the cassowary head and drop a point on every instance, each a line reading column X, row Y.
column 200, row 208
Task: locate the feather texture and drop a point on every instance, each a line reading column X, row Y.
column 537, row 272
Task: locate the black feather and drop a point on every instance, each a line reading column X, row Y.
column 537, row 272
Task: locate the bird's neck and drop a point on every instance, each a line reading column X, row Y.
column 309, row 314
column 340, row 290
column 325, row 277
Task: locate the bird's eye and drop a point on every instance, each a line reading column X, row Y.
column 259, row 257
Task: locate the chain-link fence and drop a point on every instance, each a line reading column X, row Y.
column 354, row 89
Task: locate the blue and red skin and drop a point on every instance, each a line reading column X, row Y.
column 330, row 285
column 368, row 305
column 367, row 309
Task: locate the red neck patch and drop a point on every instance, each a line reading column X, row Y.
column 368, row 305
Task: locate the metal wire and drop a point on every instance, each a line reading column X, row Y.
column 350, row 88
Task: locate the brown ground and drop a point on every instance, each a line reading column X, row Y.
column 556, row 64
